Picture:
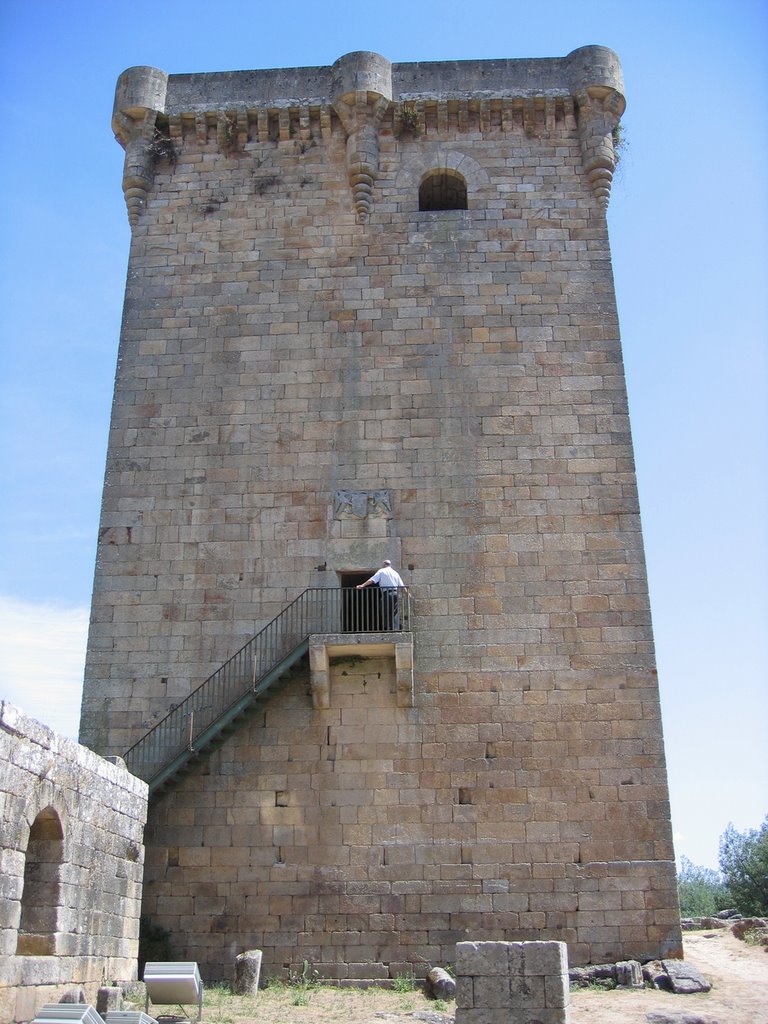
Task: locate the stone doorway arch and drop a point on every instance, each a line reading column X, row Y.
column 41, row 893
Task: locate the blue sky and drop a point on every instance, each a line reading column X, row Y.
column 688, row 222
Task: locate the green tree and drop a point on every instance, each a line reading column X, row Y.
column 744, row 864
column 701, row 890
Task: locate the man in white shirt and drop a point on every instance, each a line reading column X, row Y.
column 388, row 580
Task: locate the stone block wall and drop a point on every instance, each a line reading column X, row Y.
column 297, row 330
column 71, row 850
column 512, row 983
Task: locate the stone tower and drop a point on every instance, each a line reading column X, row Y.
column 370, row 314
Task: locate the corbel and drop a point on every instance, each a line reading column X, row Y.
column 599, row 112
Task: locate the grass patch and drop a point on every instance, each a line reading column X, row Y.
column 756, row 937
column 306, row 1001
column 404, row 983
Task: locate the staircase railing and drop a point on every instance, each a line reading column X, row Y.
column 195, row 722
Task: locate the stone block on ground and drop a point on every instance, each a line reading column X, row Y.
column 247, row 973
column 684, row 978
column 110, row 997
column 512, row 981
column 441, row 984
column 629, row 974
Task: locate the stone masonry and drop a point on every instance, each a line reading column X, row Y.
column 72, row 859
column 370, row 313
column 512, row 983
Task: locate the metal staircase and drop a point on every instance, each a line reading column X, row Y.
column 209, row 713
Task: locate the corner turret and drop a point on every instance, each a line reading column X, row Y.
column 597, row 84
column 139, row 99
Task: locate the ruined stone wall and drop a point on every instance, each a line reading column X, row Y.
column 72, row 857
column 295, row 327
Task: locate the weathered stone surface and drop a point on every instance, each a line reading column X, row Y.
column 314, row 374
column 655, row 975
column 583, row 976
column 690, row 924
column 684, row 977
column 522, row 980
column 441, row 984
column 247, row 973
column 74, row 994
column 109, row 998
column 629, row 974
column 750, row 925
column 71, row 833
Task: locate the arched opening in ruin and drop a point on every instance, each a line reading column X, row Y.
column 443, row 190
column 42, row 881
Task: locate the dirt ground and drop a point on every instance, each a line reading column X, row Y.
column 738, row 974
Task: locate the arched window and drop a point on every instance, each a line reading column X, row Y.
column 443, row 190
column 41, row 893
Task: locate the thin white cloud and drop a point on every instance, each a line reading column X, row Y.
column 42, row 657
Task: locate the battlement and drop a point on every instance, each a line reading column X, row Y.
column 367, row 94
column 584, row 69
